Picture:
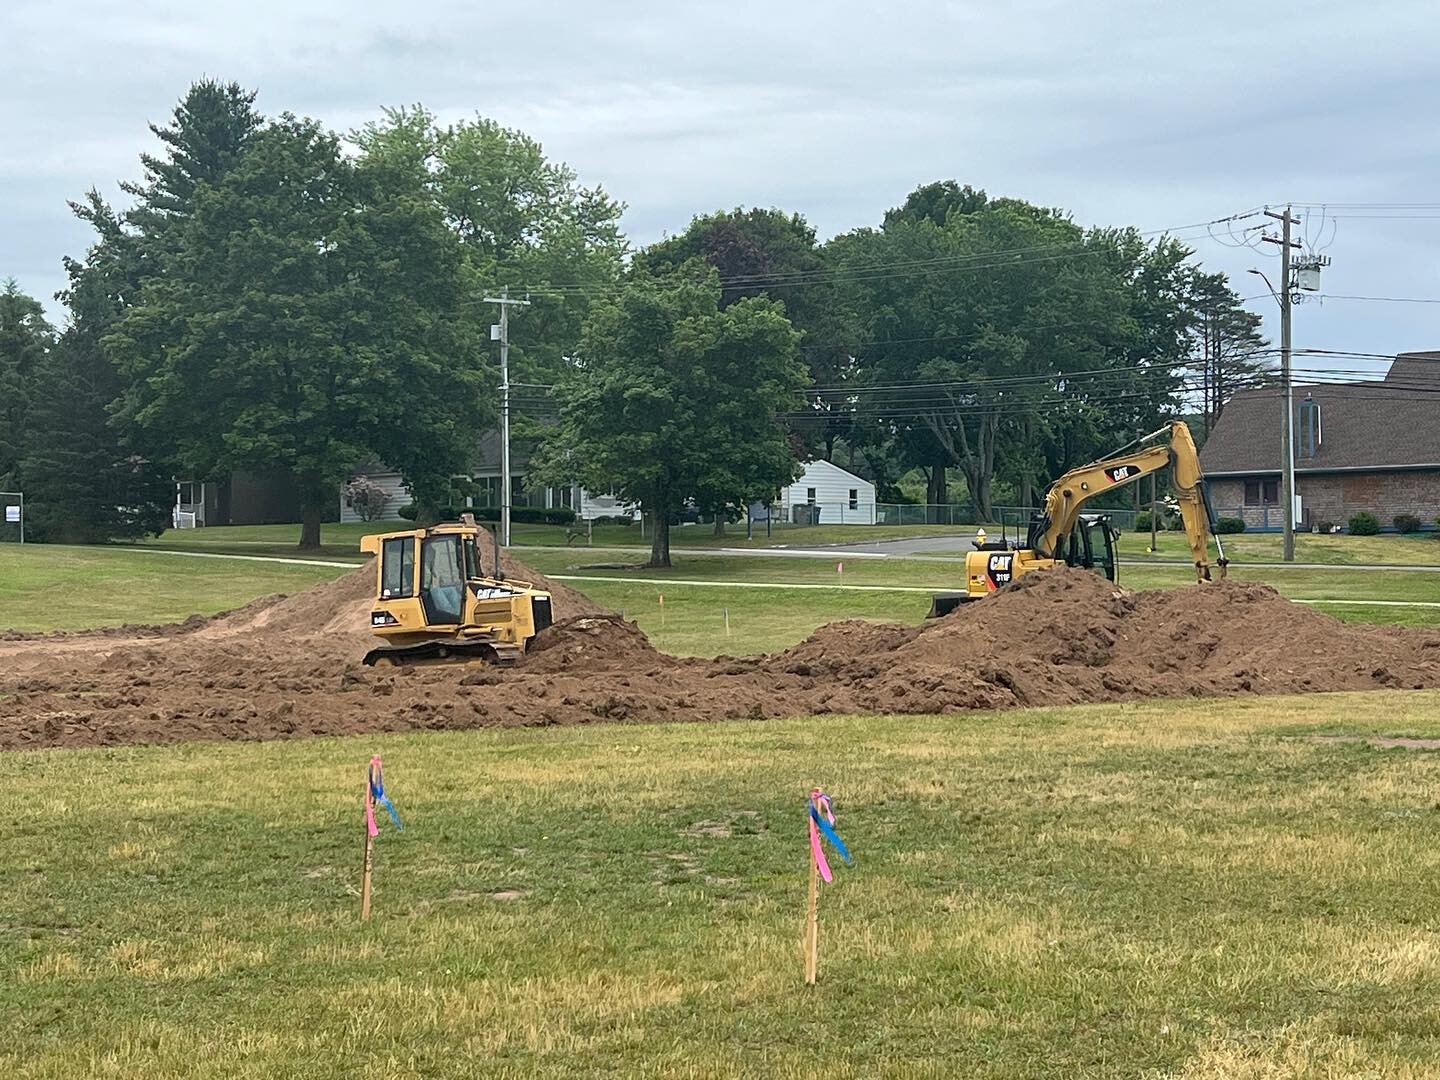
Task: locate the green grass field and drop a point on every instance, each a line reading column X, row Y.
column 1197, row 889
column 48, row 587
column 1390, row 549
column 343, row 539
column 45, row 587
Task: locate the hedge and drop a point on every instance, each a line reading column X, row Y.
column 525, row 515
column 1229, row 525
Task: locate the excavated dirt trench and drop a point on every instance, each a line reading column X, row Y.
column 284, row 667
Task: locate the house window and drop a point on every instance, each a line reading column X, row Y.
column 854, row 499
column 810, row 496
column 1262, row 492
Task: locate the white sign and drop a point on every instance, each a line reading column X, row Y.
column 12, row 515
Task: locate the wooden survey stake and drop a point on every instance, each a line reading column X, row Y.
column 369, row 864
column 821, row 821
column 812, row 917
column 365, row 873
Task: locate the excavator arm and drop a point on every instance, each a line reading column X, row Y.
column 1069, row 494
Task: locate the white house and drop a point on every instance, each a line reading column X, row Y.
column 826, row 494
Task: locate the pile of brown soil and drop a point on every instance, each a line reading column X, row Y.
column 290, row 666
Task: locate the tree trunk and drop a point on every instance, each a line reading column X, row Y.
column 1027, row 491
column 427, row 513
column 310, row 514
column 659, row 539
column 936, row 491
column 720, row 522
column 980, row 487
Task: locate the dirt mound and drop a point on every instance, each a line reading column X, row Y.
column 289, row 666
column 593, row 643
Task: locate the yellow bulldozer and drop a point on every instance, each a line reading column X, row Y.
column 1061, row 535
column 435, row 603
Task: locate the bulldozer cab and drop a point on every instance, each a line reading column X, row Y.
column 1091, row 546
column 435, row 600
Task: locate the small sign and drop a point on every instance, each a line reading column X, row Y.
column 12, row 515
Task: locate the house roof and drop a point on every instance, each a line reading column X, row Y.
column 1388, row 424
column 821, row 467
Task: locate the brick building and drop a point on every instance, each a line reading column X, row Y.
column 1372, row 447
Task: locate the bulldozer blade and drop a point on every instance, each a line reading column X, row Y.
column 942, row 604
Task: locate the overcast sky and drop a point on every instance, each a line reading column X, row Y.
column 1124, row 112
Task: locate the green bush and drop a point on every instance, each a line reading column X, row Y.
column 614, row 519
column 526, row 515
column 1363, row 524
column 1142, row 521
column 1407, row 523
column 1230, row 525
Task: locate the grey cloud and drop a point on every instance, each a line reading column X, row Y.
column 1127, row 112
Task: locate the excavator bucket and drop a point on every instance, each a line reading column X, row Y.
column 942, row 604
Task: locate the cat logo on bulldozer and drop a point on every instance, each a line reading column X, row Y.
column 1120, row 473
column 1000, row 569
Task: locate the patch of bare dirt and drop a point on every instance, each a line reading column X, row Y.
column 287, row 667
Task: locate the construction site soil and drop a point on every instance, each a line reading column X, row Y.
column 285, row 667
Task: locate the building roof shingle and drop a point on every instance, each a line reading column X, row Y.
column 1391, row 423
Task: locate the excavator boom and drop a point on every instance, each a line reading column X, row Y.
column 1062, row 533
column 1069, row 494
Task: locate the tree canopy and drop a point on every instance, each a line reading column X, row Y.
column 673, row 397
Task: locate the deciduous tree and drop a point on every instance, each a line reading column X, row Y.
column 672, row 398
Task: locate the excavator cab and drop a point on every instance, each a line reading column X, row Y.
column 1092, row 546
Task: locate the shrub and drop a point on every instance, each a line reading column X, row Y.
column 1363, row 524
column 1324, row 526
column 614, row 519
column 526, row 515
column 1142, row 521
column 1407, row 523
column 1230, row 525
column 366, row 498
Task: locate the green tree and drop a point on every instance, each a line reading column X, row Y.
column 25, row 340
column 84, row 482
column 1002, row 336
column 522, row 221
column 1227, row 348
column 324, row 332
column 672, row 398
column 769, row 253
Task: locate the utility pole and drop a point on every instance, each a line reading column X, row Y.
column 1287, row 424
column 502, row 332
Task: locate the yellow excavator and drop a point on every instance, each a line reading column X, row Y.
column 435, row 604
column 1061, row 535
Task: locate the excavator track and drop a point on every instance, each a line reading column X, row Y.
column 445, row 651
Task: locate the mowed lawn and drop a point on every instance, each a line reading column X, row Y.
column 45, row 587
column 1190, row 889
column 50, row 587
column 341, row 539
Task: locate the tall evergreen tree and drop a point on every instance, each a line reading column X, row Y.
column 84, row 482
column 25, row 340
